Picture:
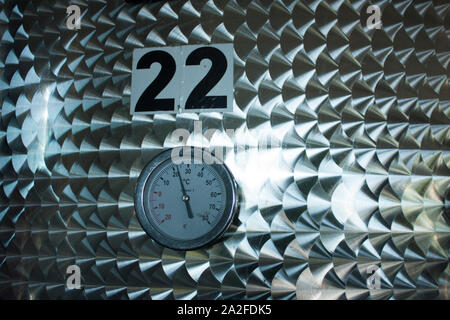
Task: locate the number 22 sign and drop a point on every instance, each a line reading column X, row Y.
column 194, row 78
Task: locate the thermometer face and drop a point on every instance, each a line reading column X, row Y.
column 185, row 205
column 204, row 192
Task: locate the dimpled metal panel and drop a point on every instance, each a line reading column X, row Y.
column 356, row 180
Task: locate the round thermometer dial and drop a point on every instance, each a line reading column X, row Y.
column 185, row 200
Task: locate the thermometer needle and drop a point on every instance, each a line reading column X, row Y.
column 185, row 196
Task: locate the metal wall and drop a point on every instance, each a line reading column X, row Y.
column 356, row 182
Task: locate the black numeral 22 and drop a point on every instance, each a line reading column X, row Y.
column 197, row 99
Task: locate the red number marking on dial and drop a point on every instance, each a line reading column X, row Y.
column 168, row 217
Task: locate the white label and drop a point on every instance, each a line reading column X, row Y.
column 197, row 78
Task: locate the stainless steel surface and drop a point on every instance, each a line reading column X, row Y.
column 361, row 123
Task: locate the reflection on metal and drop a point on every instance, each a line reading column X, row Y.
column 357, row 178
